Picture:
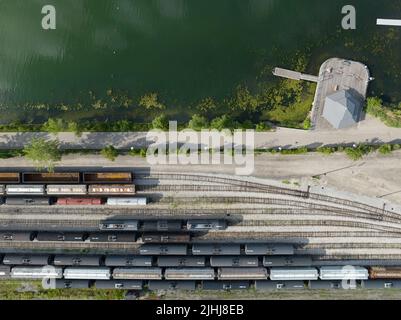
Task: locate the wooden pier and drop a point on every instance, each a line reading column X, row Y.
column 294, row 75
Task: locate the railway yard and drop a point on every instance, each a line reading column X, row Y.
column 144, row 229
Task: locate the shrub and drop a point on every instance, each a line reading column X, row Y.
column 109, row 153
column 385, row 149
column 43, row 153
column 358, row 152
column 198, row 123
column 160, row 122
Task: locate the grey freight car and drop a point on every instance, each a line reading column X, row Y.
column 26, row 260
column 60, row 236
column 162, row 225
column 5, row 271
column 112, row 237
column 157, row 249
column 72, row 284
column 82, row 260
column 128, row 261
column 189, row 274
column 15, row 236
column 119, row 284
column 126, row 225
column 206, row 225
column 242, row 273
column 325, row 285
column 138, row 273
column 216, row 249
column 288, row 261
column 181, row 261
column 225, row 285
column 268, row 249
column 238, row 261
column 381, row 284
column 172, row 285
column 28, row 201
column 279, row 285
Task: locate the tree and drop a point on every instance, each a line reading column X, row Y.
column 43, row 153
column 160, row 122
column 75, row 127
column 198, row 122
column 224, row 122
column 109, row 153
column 151, row 101
column 55, row 125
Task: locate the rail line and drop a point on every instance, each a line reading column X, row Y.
column 267, row 188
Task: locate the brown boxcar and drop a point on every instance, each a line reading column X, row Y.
column 385, row 272
column 9, row 177
column 108, row 177
column 79, row 201
column 113, row 189
column 166, row 238
column 46, row 177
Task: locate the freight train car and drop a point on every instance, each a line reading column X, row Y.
column 50, row 177
column 171, row 249
column 66, row 190
column 27, row 260
column 60, row 236
column 128, row 261
column 166, row 238
column 325, row 285
column 28, row 201
column 381, row 284
column 289, row 261
column 81, row 260
column 112, row 189
column 126, row 225
column 2, row 190
column 242, row 273
column 279, row 285
column 216, row 249
column 112, row 237
column 10, row 177
column 385, row 272
column 343, row 273
column 79, row 201
column 71, row 284
column 189, row 274
column 16, row 236
column 138, row 273
column 225, row 285
column 5, row 271
column 206, row 225
column 47, row 272
column 119, row 284
column 127, row 201
column 17, row 189
column 162, row 226
column 87, row 273
column 300, row 273
column 268, row 249
column 154, row 285
column 181, row 261
column 237, row 261
column 107, row 177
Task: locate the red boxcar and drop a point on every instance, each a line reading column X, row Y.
column 79, row 201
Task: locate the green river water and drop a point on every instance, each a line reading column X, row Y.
column 185, row 50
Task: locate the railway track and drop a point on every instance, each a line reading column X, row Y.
column 260, row 186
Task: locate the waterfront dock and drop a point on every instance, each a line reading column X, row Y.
column 335, row 75
column 294, row 75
